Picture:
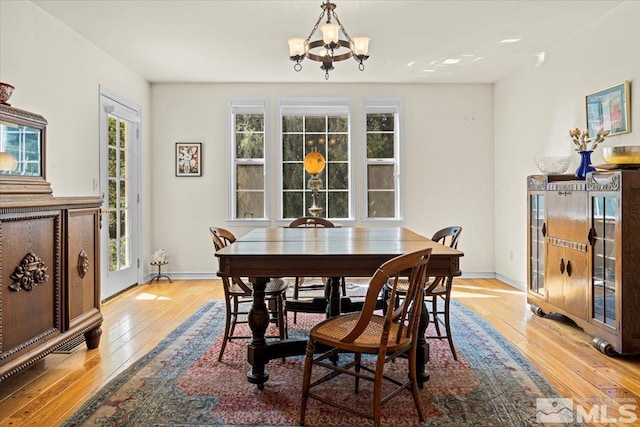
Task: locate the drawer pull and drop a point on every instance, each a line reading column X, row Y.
column 561, row 265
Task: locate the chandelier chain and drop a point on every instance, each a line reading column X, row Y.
column 341, row 27
column 315, row 27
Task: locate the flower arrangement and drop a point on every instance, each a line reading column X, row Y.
column 580, row 139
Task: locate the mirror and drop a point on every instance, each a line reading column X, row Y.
column 22, row 153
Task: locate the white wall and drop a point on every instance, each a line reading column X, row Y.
column 448, row 136
column 448, row 161
column 537, row 105
column 57, row 73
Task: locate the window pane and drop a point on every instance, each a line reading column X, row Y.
column 338, row 204
column 124, row 253
column 380, row 122
column 338, row 176
column 381, row 204
column 250, row 122
column 123, row 164
column 112, row 193
column 292, row 147
column 113, row 225
column 292, row 124
column 292, row 204
column 338, row 149
column 316, row 123
column 292, row 176
column 113, row 256
column 249, row 145
column 315, row 142
column 249, row 204
column 112, row 162
column 380, row 177
column 380, row 146
column 338, row 124
column 123, row 134
column 112, row 131
column 123, row 223
column 250, row 177
column 123, row 194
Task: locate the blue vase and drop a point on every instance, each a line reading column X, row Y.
column 585, row 165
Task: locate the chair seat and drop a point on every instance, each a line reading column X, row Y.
column 403, row 286
column 333, row 330
column 273, row 288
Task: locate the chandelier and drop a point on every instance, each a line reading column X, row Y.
column 331, row 48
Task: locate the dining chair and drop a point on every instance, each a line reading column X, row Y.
column 386, row 336
column 237, row 292
column 437, row 289
column 298, row 285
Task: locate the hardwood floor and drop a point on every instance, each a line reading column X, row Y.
column 52, row 389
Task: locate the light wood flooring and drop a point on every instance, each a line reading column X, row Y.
column 52, row 389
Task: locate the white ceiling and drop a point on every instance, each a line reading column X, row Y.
column 246, row 40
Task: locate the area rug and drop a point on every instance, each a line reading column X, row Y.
column 181, row 383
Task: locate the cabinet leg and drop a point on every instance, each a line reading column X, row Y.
column 603, row 347
column 92, row 337
column 537, row 310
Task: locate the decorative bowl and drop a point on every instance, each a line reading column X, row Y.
column 553, row 165
column 5, row 93
column 625, row 154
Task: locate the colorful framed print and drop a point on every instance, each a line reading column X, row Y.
column 188, row 159
column 609, row 109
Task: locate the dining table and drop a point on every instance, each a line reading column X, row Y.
column 275, row 252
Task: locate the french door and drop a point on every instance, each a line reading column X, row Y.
column 119, row 166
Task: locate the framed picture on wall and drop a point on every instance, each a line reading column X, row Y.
column 188, row 159
column 609, row 109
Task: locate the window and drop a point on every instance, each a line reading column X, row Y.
column 382, row 159
column 249, row 136
column 315, row 125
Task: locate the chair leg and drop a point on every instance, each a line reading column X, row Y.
column 227, row 326
column 234, row 315
column 377, row 390
column 447, row 326
column 306, row 380
column 434, row 313
column 295, row 296
column 358, row 359
column 413, row 376
column 343, row 284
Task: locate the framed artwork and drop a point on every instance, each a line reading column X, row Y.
column 188, row 159
column 609, row 109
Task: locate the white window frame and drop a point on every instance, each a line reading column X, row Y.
column 314, row 106
column 383, row 105
column 243, row 105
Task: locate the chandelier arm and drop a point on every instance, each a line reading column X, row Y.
column 315, row 27
column 341, row 26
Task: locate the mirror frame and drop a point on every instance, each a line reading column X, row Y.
column 17, row 186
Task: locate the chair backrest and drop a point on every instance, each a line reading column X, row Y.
column 222, row 238
column 407, row 315
column 448, row 236
column 311, row 221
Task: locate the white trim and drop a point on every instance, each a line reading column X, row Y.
column 248, row 105
column 383, row 105
column 314, row 106
column 132, row 112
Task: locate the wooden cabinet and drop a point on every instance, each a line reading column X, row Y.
column 49, row 261
column 584, row 254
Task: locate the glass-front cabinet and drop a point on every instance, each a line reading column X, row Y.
column 537, row 230
column 584, row 254
column 604, row 215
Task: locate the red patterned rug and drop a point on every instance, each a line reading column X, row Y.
column 181, row 383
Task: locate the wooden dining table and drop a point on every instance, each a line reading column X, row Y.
column 266, row 253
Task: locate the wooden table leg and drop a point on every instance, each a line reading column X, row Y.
column 258, row 318
column 334, row 297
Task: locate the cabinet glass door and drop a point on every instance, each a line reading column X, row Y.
column 536, row 239
column 604, row 211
